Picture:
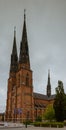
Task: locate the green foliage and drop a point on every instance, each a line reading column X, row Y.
column 57, row 124
column 45, row 124
column 65, row 107
column 59, row 103
column 49, row 113
column 37, row 124
column 28, row 122
column 64, row 123
column 49, row 124
column 39, row 118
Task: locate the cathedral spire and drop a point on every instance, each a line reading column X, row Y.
column 48, row 85
column 24, row 14
column 14, row 50
column 48, row 76
column 24, row 51
column 14, row 57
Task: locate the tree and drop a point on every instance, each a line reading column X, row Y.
column 59, row 102
column 38, row 119
column 65, row 107
column 49, row 113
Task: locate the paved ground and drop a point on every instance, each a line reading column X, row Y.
column 31, row 128
column 18, row 126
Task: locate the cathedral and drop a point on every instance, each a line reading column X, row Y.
column 22, row 103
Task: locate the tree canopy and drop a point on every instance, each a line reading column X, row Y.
column 49, row 113
column 60, row 102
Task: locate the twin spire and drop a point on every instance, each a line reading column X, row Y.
column 23, row 61
column 24, row 52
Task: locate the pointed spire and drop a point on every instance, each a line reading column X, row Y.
column 24, row 14
column 14, row 57
column 48, row 85
column 15, row 31
column 24, row 51
column 48, row 76
column 14, row 50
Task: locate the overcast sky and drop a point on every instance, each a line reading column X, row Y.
column 46, row 30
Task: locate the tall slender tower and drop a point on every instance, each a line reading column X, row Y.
column 48, row 85
column 24, row 78
column 12, row 81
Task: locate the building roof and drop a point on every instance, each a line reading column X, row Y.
column 39, row 105
column 43, row 97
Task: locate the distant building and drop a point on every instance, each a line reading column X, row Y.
column 22, row 102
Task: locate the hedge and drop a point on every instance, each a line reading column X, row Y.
column 64, row 123
column 49, row 124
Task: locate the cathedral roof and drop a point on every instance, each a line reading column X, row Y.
column 43, row 97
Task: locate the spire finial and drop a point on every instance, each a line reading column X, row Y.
column 48, row 72
column 14, row 31
column 24, row 14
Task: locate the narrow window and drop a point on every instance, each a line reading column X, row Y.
column 27, row 80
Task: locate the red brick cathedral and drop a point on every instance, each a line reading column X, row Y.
column 22, row 102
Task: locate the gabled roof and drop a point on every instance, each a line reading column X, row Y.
column 43, row 97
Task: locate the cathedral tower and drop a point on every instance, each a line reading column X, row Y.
column 20, row 83
column 24, row 79
column 12, row 81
